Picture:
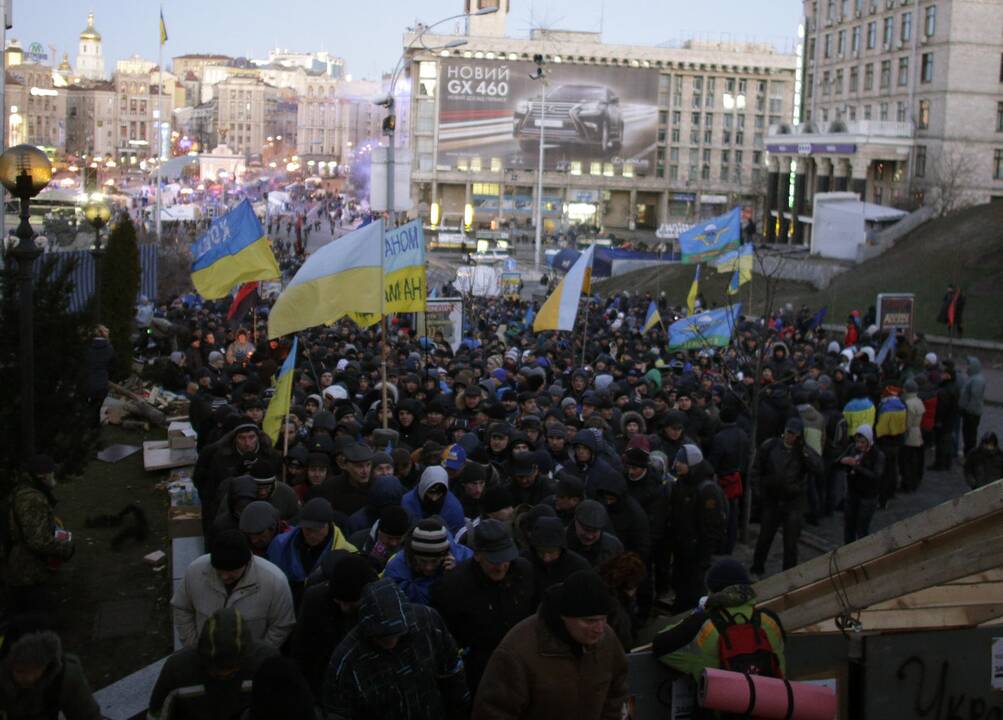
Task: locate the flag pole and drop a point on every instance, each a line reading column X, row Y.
column 160, row 119
column 585, row 327
column 383, row 340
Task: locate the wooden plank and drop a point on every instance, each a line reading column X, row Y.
column 129, row 697
column 946, row 596
column 914, row 620
column 937, row 563
column 989, row 576
column 157, row 455
column 987, row 500
column 843, row 574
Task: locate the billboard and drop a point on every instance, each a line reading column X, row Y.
column 592, row 113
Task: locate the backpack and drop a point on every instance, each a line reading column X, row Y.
column 745, row 647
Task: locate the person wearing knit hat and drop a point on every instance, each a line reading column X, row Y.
column 432, row 497
column 231, row 576
column 785, row 467
column 587, row 535
column 549, row 555
column 225, row 657
column 546, row 652
column 385, row 537
column 330, row 608
column 497, row 503
column 429, row 552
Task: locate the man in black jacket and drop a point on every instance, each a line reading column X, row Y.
column 529, row 486
column 865, row 466
column 549, row 555
column 630, row 522
column 486, row 596
column 729, row 456
column 782, row 470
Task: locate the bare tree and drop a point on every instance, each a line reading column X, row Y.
column 950, row 177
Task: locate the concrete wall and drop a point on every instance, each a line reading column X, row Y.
column 819, row 273
column 886, row 239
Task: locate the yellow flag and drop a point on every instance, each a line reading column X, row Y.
column 163, row 28
column 691, row 299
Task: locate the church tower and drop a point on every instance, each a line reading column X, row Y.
column 491, row 25
column 90, row 62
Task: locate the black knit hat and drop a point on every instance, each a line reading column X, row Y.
column 230, row 551
column 725, row 573
column 583, row 594
column 348, row 576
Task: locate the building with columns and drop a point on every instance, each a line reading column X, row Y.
column 90, row 61
column 634, row 137
column 901, row 102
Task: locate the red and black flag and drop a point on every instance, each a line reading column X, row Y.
column 245, row 299
column 952, row 309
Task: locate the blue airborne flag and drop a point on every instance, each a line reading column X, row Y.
column 707, row 329
column 712, row 238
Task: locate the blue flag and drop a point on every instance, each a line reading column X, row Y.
column 712, row 238
column 234, row 250
column 527, row 320
column 712, row 328
column 652, row 318
column 886, row 349
column 816, row 321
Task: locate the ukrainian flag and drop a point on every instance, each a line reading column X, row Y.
column 278, row 406
column 691, row 299
column 232, row 252
column 740, row 259
column 736, row 282
column 404, row 269
column 652, row 318
column 342, row 277
column 561, row 308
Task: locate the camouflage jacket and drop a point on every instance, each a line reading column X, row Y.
column 32, row 542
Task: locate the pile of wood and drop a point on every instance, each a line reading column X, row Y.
column 941, row 568
column 136, row 405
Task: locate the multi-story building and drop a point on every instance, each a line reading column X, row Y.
column 35, row 109
column 902, row 102
column 248, row 111
column 90, row 60
column 91, row 116
column 203, row 125
column 319, row 62
column 317, row 119
column 633, row 136
column 357, row 120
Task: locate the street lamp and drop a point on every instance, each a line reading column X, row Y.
column 97, row 214
column 540, row 75
column 24, row 171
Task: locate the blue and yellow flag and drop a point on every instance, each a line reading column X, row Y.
column 652, row 318
column 233, row 251
column 740, row 259
column 707, row 329
column 561, row 308
column 712, row 238
column 163, row 28
column 278, row 406
column 736, row 282
column 691, row 299
column 404, row 281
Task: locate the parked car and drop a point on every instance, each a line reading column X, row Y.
column 587, row 115
column 491, row 257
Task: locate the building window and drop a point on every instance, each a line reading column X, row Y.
column 998, row 164
column 999, row 117
column 923, row 116
column 595, row 168
column 839, row 81
column 903, row 71
column 694, row 136
column 900, row 111
column 675, row 135
column 886, row 74
column 705, row 172
column 695, row 118
column 708, row 119
column 888, row 32
column 674, row 155
column 905, row 30
column 930, row 21
column 826, row 84
column 919, row 168
column 854, row 79
column 883, row 113
column 707, row 137
column 851, row 112
column 926, row 74
column 827, row 45
column 673, row 172
column 676, row 117
column 869, row 76
column 855, row 40
column 841, row 43
column 867, row 112
column 872, row 34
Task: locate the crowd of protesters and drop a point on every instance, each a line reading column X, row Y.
column 483, row 530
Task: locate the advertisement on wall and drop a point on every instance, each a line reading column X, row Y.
column 492, row 110
column 896, row 312
column 443, row 315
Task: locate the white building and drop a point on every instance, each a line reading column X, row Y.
column 90, row 61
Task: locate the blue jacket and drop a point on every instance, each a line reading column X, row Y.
column 451, row 513
column 282, row 552
column 419, row 588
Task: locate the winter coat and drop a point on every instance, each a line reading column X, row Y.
column 652, row 494
column 947, row 405
column 864, row 479
column 859, row 411
column 418, row 588
column 321, row 626
column 605, row 548
column 783, row 472
column 62, row 688
column 696, row 522
column 33, row 545
column 539, row 673
column 451, row 512
column 343, row 496
column 729, row 450
column 262, row 596
column 420, row 679
column 814, row 427
column 533, row 495
column 283, row 499
column 595, row 468
column 383, row 491
column 479, row 612
column 983, row 467
column 974, row 391
column 915, row 410
column 630, row 521
column 545, row 576
column 285, row 552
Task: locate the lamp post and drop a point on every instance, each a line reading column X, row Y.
column 540, row 75
column 98, row 214
column 24, row 171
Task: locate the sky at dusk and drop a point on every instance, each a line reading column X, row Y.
column 368, row 34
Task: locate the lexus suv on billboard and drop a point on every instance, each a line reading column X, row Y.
column 584, row 115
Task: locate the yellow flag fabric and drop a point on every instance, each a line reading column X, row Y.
column 163, row 29
column 561, row 308
column 691, row 299
column 278, row 406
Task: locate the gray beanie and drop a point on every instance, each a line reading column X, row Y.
column 690, row 455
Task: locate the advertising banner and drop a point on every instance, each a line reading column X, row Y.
column 492, row 109
column 895, row 311
column 443, row 315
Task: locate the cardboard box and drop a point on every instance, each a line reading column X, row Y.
column 181, row 436
column 184, row 521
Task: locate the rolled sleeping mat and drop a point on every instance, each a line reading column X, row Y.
column 764, row 697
